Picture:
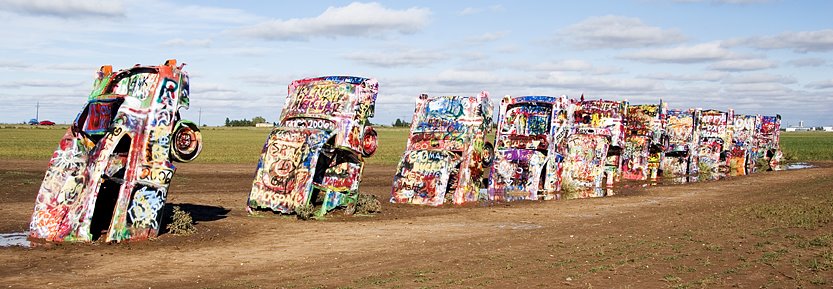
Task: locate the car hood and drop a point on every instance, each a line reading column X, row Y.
column 286, row 169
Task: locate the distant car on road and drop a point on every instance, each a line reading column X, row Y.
column 46, row 122
column 33, row 121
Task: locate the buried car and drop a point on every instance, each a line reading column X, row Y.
column 679, row 162
column 714, row 141
column 108, row 180
column 767, row 148
column 530, row 146
column 594, row 148
column 315, row 155
column 644, row 141
column 739, row 159
column 447, row 157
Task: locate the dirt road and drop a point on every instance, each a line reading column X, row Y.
column 771, row 229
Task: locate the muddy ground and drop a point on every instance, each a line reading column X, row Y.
column 772, row 229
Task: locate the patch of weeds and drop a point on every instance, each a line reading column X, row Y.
column 367, row 204
column 182, row 223
column 818, row 281
column 770, row 258
column 713, row 247
column 684, row 268
column 562, row 263
column 671, row 279
column 601, row 268
column 730, row 271
column 807, row 215
column 821, row 241
column 305, row 211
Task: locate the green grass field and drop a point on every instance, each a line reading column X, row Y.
column 243, row 145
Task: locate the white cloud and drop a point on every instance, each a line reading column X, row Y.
column 709, row 76
column 13, row 64
column 706, row 52
column 743, row 64
column 808, row 62
column 66, row 8
column 802, row 42
column 821, row 84
column 397, row 57
column 41, row 83
column 576, row 65
column 179, row 42
column 595, row 85
column 356, row 19
column 487, row 37
column 759, row 78
column 617, row 32
column 466, row 77
column 478, row 10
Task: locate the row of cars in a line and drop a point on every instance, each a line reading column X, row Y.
column 109, row 178
column 554, row 147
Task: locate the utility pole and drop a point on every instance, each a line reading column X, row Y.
column 199, row 119
column 37, row 111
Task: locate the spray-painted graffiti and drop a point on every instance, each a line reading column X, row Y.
column 767, row 143
column 315, row 155
column 603, row 118
column 447, row 157
column 644, row 141
column 680, row 158
column 742, row 130
column 531, row 143
column 714, row 138
column 109, row 177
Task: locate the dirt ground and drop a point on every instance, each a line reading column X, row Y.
column 772, row 229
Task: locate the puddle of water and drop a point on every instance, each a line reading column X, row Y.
column 14, row 239
column 798, row 166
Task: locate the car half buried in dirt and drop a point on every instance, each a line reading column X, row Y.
column 644, row 141
column 530, row 147
column 714, row 143
column 680, row 163
column 447, row 157
column 315, row 155
column 108, row 180
column 594, row 148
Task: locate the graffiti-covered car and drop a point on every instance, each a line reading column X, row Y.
column 447, row 157
column 714, row 141
column 767, row 145
column 594, row 148
column 679, row 161
column 108, row 180
column 530, row 146
column 315, row 155
column 644, row 141
column 742, row 128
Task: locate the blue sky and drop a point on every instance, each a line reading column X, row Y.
column 754, row 56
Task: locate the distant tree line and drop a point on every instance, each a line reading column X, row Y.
column 401, row 123
column 245, row 122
